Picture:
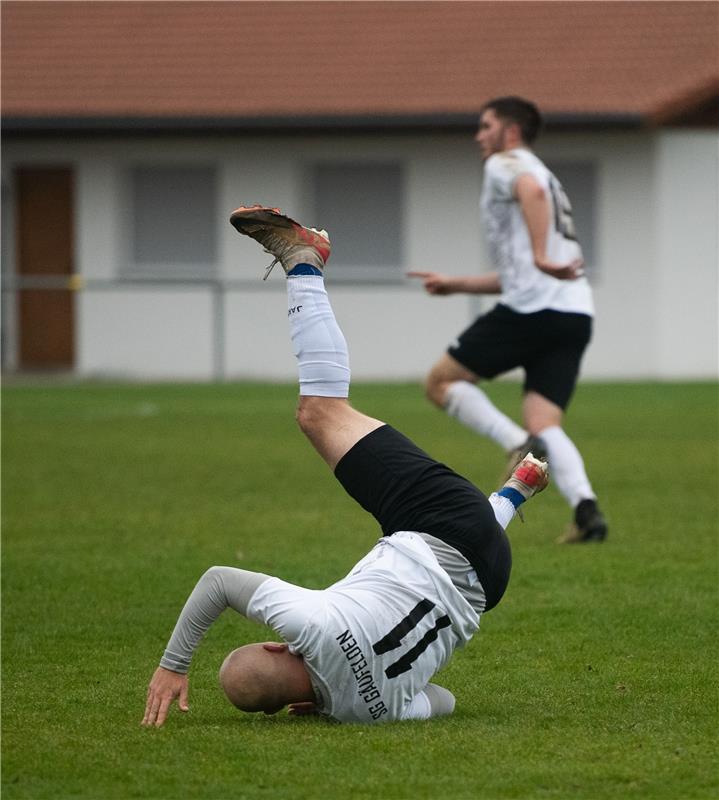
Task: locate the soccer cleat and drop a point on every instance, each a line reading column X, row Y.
column 529, row 477
column 289, row 242
column 532, row 445
column 589, row 524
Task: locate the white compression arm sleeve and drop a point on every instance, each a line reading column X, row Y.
column 219, row 588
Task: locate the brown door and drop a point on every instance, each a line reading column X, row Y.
column 45, row 253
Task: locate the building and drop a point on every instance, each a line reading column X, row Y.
column 131, row 131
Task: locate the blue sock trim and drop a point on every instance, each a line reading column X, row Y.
column 514, row 497
column 304, row 269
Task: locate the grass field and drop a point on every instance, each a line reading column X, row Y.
column 594, row 678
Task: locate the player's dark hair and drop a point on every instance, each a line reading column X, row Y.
column 519, row 110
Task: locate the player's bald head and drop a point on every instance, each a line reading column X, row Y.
column 256, row 679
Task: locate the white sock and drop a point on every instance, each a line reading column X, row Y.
column 318, row 342
column 471, row 406
column 503, row 508
column 566, row 466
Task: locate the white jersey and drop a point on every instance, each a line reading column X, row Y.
column 372, row 641
column 525, row 288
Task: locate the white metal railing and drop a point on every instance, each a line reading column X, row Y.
column 12, row 286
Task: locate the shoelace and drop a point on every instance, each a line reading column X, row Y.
column 276, row 246
column 269, row 269
column 280, row 248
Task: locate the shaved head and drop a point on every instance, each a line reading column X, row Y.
column 255, row 678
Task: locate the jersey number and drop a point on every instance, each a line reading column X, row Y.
column 394, row 638
column 563, row 219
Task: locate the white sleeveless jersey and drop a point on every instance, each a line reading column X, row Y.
column 525, row 288
column 372, row 641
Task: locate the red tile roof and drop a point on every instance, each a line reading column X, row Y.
column 655, row 60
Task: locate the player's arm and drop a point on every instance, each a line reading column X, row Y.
column 433, row 701
column 537, row 213
column 441, row 284
column 219, row 588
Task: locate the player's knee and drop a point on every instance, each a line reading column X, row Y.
column 540, row 414
column 435, row 390
column 302, row 417
column 442, row 376
column 309, row 414
column 430, row 385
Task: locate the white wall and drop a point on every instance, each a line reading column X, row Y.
column 392, row 335
column 655, row 286
column 623, row 337
column 687, row 254
column 146, row 333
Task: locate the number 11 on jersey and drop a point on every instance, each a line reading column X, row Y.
column 393, row 639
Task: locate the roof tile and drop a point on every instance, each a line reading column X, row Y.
column 246, row 59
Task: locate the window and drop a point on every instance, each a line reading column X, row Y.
column 173, row 220
column 579, row 180
column 362, row 207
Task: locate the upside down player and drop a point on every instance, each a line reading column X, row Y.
column 366, row 648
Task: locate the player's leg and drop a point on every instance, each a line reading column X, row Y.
column 544, row 419
column 443, row 375
column 550, row 382
column 333, row 426
column 484, row 350
column 324, row 413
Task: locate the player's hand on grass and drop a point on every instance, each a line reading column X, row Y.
column 564, row 272
column 434, row 282
column 165, row 687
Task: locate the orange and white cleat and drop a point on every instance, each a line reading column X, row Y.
column 289, row 242
column 533, row 445
column 528, row 478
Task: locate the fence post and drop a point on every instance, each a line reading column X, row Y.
column 218, row 318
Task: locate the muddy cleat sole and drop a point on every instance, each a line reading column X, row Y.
column 289, row 242
column 589, row 525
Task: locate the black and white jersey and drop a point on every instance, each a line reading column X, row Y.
column 525, row 288
column 372, row 641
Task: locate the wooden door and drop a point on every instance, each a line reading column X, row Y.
column 45, row 252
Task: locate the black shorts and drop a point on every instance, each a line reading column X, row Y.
column 406, row 490
column 548, row 345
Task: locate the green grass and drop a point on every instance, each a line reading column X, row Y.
column 594, row 678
